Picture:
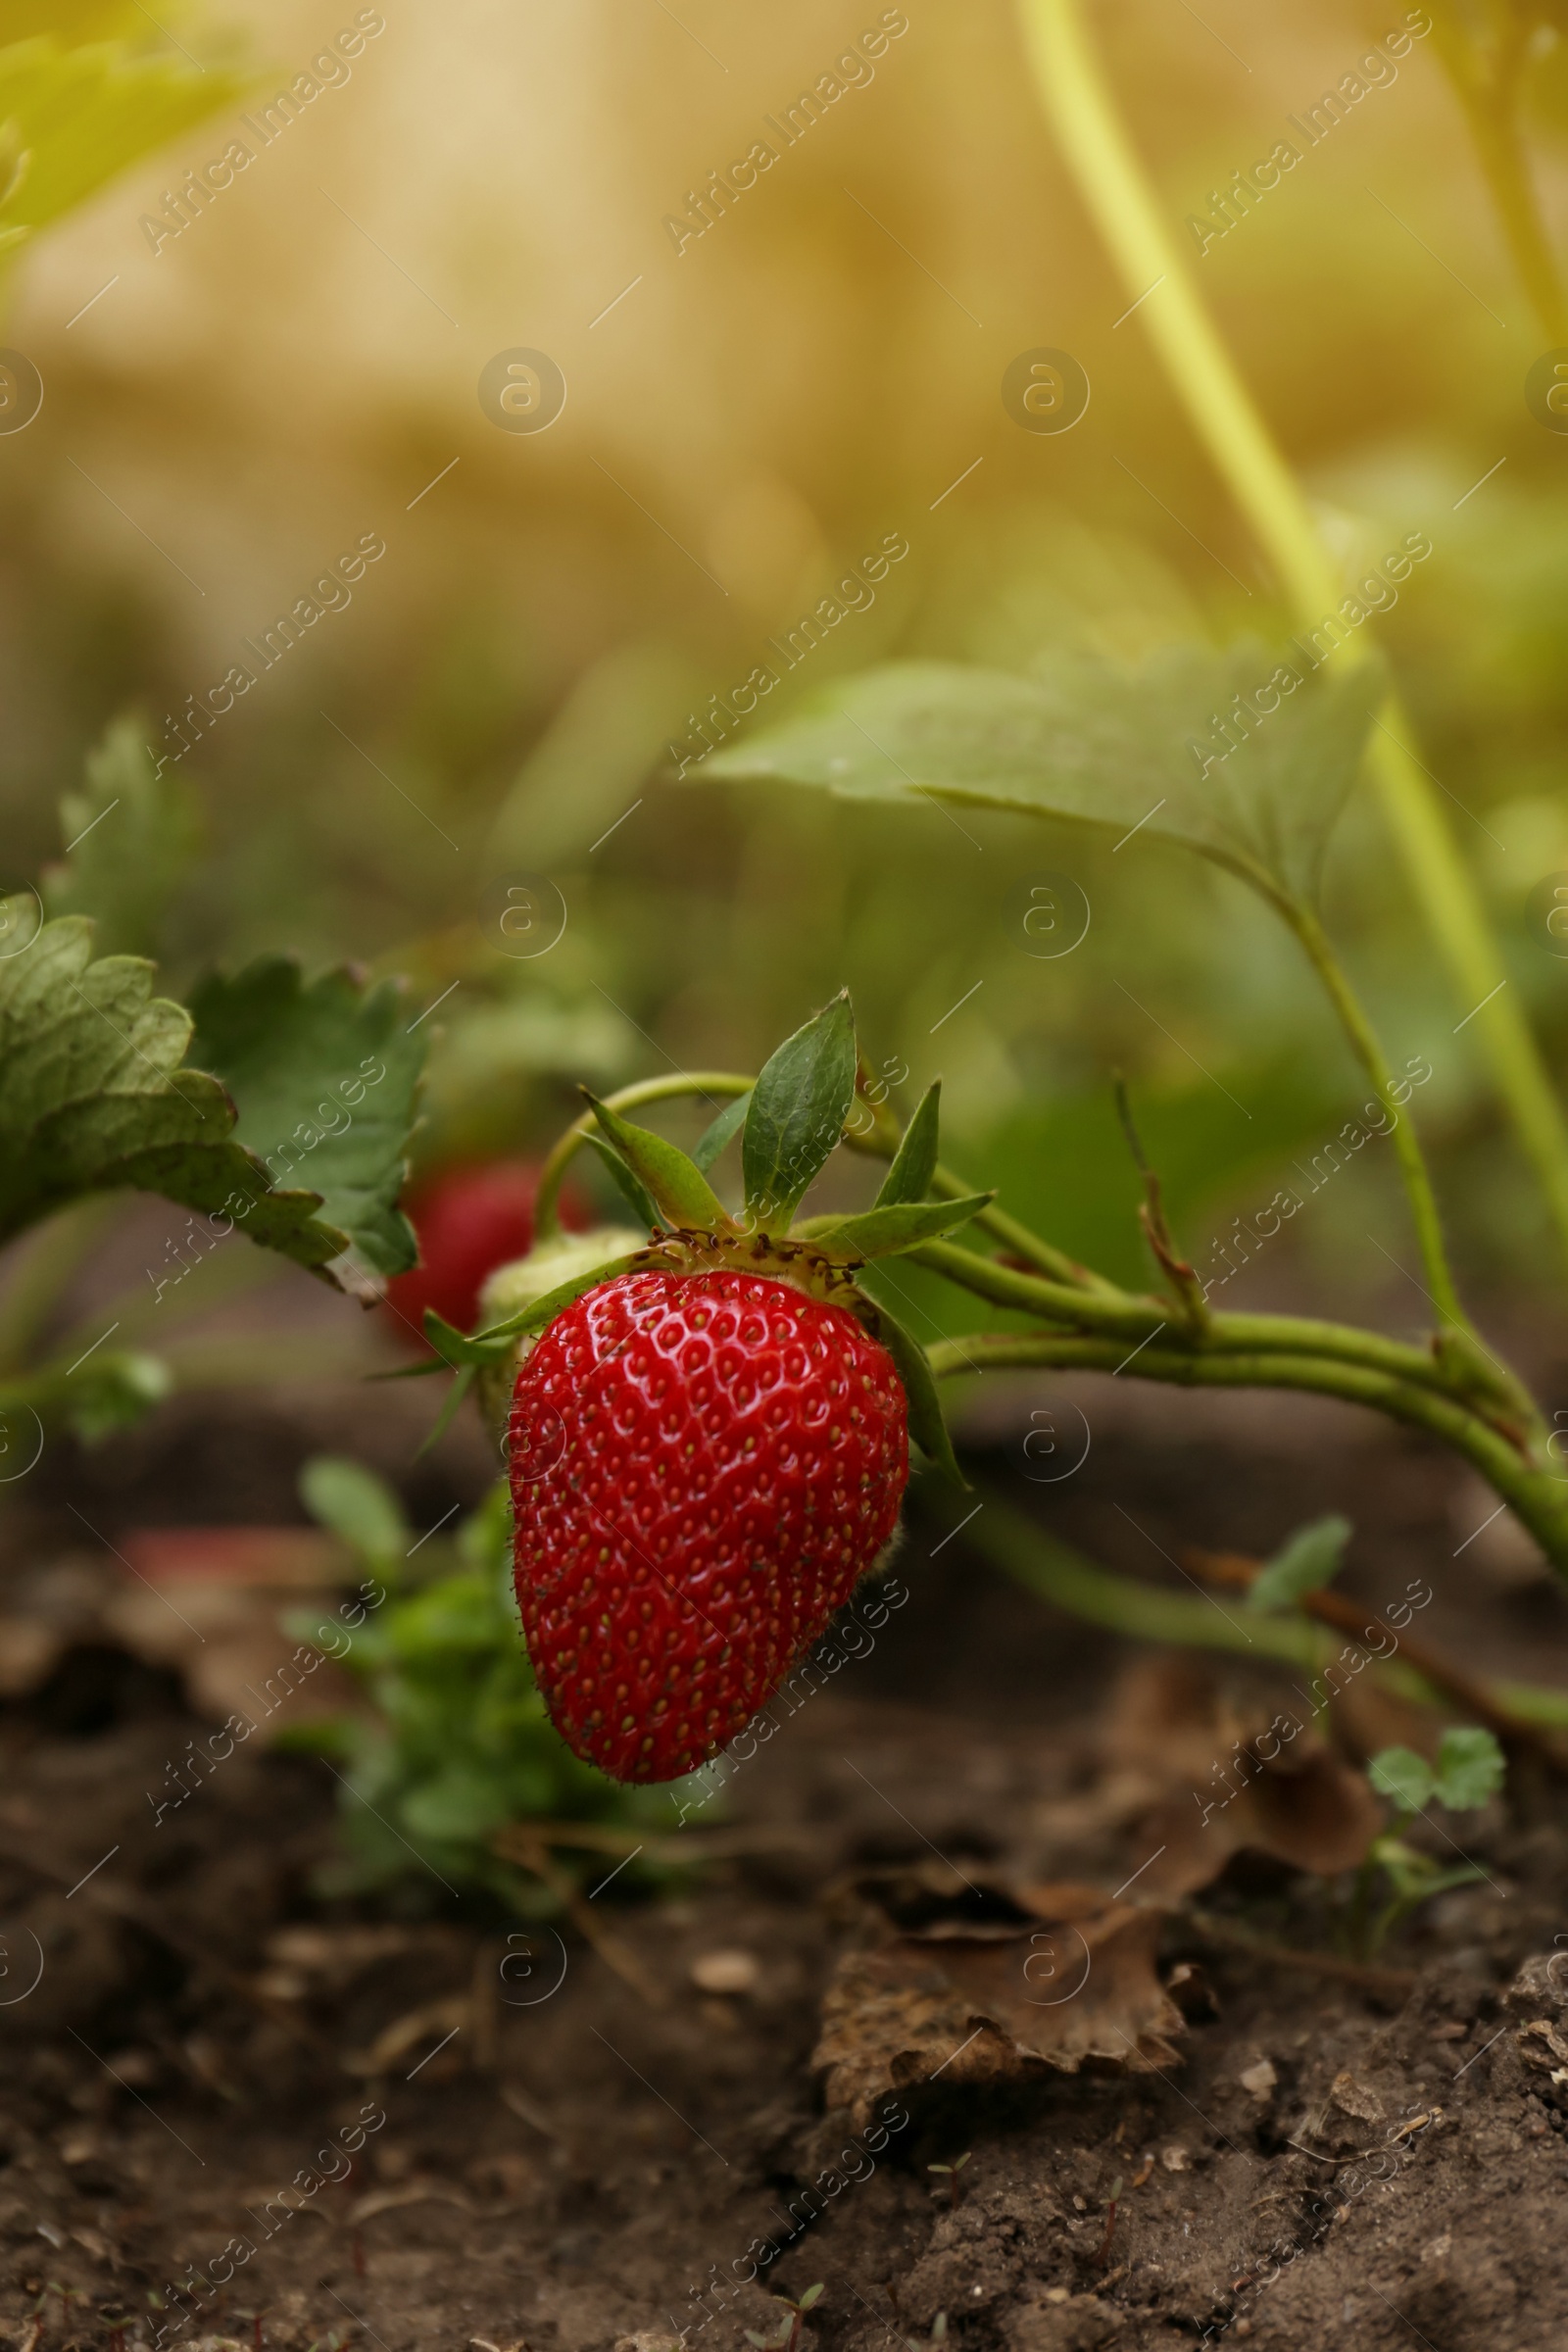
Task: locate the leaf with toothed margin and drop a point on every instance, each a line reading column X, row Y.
column 711, row 1143
column 927, row 1427
column 680, row 1191
column 884, row 1232
column 798, row 1109
column 631, row 1189
column 915, row 1159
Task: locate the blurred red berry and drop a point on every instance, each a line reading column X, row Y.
column 470, row 1220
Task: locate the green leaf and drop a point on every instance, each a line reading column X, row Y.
column 356, row 1504
column 95, row 1095
column 136, row 835
column 927, row 1426
column 1399, row 1774
column 884, row 1232
column 85, row 113
column 1308, row 1561
column 631, row 1189
column 325, row 1074
column 1111, row 745
column 914, row 1162
column 681, row 1192
column 714, row 1137
column 1470, row 1768
column 797, row 1113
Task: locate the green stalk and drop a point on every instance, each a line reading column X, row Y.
column 1077, row 101
column 546, row 1206
column 1486, row 84
column 1538, row 1499
column 1406, row 1143
column 1056, row 1573
column 1141, row 1318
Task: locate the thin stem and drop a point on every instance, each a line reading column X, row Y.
column 1058, row 1573
column 1076, row 98
column 1022, row 1243
column 1486, row 81
column 1141, row 1318
column 546, row 1206
column 1406, row 1143
column 1539, row 1501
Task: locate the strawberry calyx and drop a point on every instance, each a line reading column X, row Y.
column 795, row 1117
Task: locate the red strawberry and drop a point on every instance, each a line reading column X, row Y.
column 703, row 1466
column 470, row 1220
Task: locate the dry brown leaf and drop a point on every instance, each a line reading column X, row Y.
column 1355, row 2099
column 1236, row 1771
column 1541, row 2045
column 997, row 2001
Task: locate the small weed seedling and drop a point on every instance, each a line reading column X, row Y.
column 787, row 2336
column 953, row 2171
column 1468, row 1772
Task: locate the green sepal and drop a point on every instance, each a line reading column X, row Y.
column 1306, row 1563
column 711, row 1143
column 797, row 1114
column 448, row 1414
column 884, row 1232
column 632, row 1188
column 681, row 1192
column 927, row 1426
column 534, row 1317
column 914, row 1162
column 455, row 1347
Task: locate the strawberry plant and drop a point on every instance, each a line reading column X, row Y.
column 459, row 1743
column 707, row 1432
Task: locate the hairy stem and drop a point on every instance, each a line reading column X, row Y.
column 1076, row 98
column 547, row 1200
column 1144, row 1318
column 1539, row 1499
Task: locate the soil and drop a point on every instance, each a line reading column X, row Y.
column 499, row 2138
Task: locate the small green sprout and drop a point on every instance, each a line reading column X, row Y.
column 952, row 2170
column 788, row 2335
column 1468, row 1773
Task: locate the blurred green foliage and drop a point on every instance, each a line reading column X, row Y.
column 459, row 1743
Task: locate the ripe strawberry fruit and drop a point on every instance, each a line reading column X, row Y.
column 727, row 1457
column 708, row 1435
